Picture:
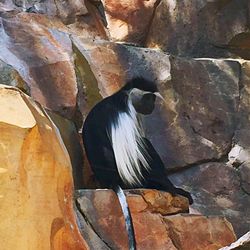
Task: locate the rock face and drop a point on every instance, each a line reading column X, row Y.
column 201, row 28
column 129, row 20
column 36, row 181
column 155, row 227
column 198, row 118
column 224, row 197
column 212, row 232
column 9, row 76
column 42, row 55
column 243, row 243
column 113, row 64
column 68, row 55
column 72, row 143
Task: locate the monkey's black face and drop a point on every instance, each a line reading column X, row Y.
column 143, row 103
column 146, row 105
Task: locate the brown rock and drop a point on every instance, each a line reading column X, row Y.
column 157, row 202
column 198, row 232
column 112, row 64
column 216, row 189
column 89, row 234
column 199, row 116
column 93, row 25
column 128, row 20
column 36, row 182
column 103, row 212
column 200, row 29
column 81, row 17
column 244, row 170
column 242, row 136
column 69, row 11
column 151, row 233
column 9, row 76
column 42, row 55
column 72, row 142
column 103, row 62
column 243, row 243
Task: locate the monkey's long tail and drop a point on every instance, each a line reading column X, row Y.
column 128, row 219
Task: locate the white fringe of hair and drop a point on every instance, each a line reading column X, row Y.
column 129, row 149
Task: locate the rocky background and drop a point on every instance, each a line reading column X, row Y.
column 59, row 58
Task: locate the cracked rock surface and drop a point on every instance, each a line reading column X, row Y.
column 67, row 56
column 160, row 221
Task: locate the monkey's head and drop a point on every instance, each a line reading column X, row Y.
column 142, row 94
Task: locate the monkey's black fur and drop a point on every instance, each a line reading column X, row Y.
column 99, row 148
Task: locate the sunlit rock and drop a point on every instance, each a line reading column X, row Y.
column 243, row 243
column 36, row 180
column 129, row 21
column 217, row 190
column 42, row 55
column 201, row 28
column 101, row 209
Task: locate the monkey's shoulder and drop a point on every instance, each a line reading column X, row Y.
column 108, row 108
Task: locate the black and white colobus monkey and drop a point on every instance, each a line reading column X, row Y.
column 115, row 144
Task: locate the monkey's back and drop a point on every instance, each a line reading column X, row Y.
column 98, row 144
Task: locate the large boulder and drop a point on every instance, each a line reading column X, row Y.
column 68, row 11
column 243, row 243
column 222, row 186
column 72, row 142
column 201, row 28
column 155, row 225
column 9, row 76
column 240, row 152
column 36, row 180
column 129, row 21
column 197, row 121
column 199, row 115
column 205, row 113
column 198, row 232
column 217, row 190
column 42, row 54
column 113, row 64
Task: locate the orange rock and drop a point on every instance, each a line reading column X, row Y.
column 35, row 46
column 36, row 209
column 103, row 212
column 156, row 202
column 165, row 203
column 129, row 20
column 113, row 64
column 150, row 232
column 104, row 63
column 243, row 243
column 198, row 232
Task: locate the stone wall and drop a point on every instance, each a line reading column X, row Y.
column 67, row 56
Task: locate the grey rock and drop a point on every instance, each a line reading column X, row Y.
column 216, row 189
column 201, row 28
